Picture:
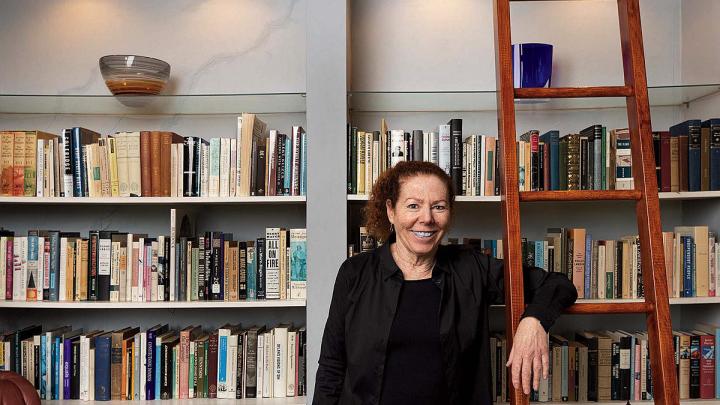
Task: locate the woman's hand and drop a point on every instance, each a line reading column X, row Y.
column 529, row 354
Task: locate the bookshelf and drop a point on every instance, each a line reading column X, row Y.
column 170, row 201
column 98, row 305
column 258, row 401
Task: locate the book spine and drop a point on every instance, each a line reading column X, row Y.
column 102, row 368
column 694, row 366
column 456, row 153
column 212, row 369
column 694, row 158
column 260, row 263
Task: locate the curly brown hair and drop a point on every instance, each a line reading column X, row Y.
column 387, row 187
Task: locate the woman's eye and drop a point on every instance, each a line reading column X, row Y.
column 412, row 206
column 439, row 207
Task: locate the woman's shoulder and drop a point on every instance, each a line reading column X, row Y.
column 357, row 265
column 464, row 257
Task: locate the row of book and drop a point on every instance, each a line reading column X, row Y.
column 687, row 158
column 159, row 363
column 83, row 163
column 609, row 269
column 614, row 365
column 120, row 266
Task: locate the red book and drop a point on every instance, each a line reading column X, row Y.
column 145, row 173
column 707, row 366
column 212, row 357
column 665, row 161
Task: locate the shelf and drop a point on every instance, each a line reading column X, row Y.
column 200, row 104
column 686, row 195
column 485, row 100
column 195, row 401
column 673, row 301
column 154, row 200
column 152, row 305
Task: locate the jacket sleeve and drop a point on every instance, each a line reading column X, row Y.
column 546, row 293
column 332, row 363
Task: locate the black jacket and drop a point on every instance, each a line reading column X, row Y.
column 364, row 301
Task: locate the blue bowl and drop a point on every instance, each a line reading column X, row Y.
column 532, row 65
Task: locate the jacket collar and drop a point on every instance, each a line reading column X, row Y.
column 390, row 268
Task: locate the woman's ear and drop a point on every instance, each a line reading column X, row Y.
column 390, row 210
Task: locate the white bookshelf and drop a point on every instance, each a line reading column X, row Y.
column 195, row 401
column 685, row 195
column 673, row 301
column 154, row 200
column 94, row 305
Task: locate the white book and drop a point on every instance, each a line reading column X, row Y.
column 19, row 257
column 65, row 165
column 91, row 374
column 444, row 148
column 426, row 147
column 279, row 370
column 232, row 350
column 153, row 274
column 48, row 365
column 272, row 263
column 121, row 148
column 173, row 170
column 224, row 167
column 143, row 364
column 141, row 293
column 42, row 273
column 50, row 167
column 259, row 365
column 180, row 169
column 233, row 168
column 482, row 160
column 397, row 149
column 375, row 161
column 204, row 169
column 133, row 162
column 222, row 363
column 114, row 271
column 601, row 272
column 61, row 355
column 238, row 159
column 268, row 365
column 270, row 158
column 128, row 267
column 369, row 160
column 3, row 274
column 104, row 256
column 161, row 268
column 40, row 168
column 84, row 367
column 214, row 166
column 295, row 179
column 173, row 241
column 291, row 359
column 191, row 383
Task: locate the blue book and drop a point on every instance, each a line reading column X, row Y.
column 604, row 159
column 157, row 349
column 288, row 166
column 54, row 263
column 56, row 377
column 687, row 265
column 79, row 138
column 150, row 358
column 693, row 284
column 632, row 366
column 43, row 367
column 552, row 140
column 67, row 365
column 713, row 125
column 222, row 361
column 251, row 271
column 540, row 255
column 691, row 128
column 588, row 265
column 102, row 366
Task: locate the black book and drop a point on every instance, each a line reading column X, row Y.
column 167, row 366
column 36, row 365
column 197, row 171
column 189, row 155
column 216, row 285
column 456, row 160
column 280, row 166
column 251, row 388
column 352, row 161
column 695, row 366
column 17, row 338
column 583, row 163
column 417, row 141
column 541, row 166
column 259, row 173
column 201, row 268
column 301, row 388
column 166, row 265
column 260, row 265
column 104, row 255
column 242, row 270
column 239, row 370
column 625, row 347
column 207, row 240
column 591, row 341
column 181, row 268
column 92, row 277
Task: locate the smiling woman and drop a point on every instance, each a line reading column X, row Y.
column 408, row 322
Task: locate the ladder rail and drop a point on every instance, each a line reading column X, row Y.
column 656, row 304
column 648, row 207
column 510, row 195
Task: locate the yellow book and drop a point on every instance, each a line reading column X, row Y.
column 702, row 272
column 6, row 163
column 361, row 162
column 19, row 164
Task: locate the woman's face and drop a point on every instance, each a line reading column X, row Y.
column 421, row 215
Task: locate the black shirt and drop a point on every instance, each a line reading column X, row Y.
column 413, row 372
column 365, row 301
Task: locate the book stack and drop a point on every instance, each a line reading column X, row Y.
column 687, row 157
column 83, row 163
column 159, row 363
column 614, row 365
column 120, row 266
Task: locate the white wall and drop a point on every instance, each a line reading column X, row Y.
column 407, row 45
column 213, row 46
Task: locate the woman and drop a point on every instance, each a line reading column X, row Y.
column 408, row 321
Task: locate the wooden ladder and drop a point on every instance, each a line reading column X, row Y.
column 656, row 305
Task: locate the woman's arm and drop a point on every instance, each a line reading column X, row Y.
column 332, row 364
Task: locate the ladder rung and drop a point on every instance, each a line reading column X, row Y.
column 610, row 308
column 574, row 92
column 580, row 195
